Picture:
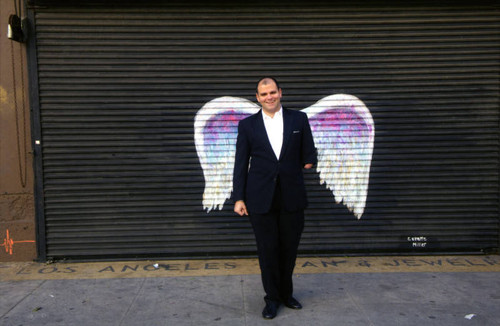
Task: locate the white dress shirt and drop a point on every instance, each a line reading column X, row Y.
column 274, row 129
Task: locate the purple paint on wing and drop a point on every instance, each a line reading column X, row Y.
column 223, row 126
column 343, row 124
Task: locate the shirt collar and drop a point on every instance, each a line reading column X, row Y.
column 278, row 115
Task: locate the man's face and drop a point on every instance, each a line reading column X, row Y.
column 269, row 96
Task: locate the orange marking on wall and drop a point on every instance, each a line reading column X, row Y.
column 8, row 243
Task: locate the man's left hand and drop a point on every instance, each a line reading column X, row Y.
column 308, row 166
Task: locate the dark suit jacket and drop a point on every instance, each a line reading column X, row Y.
column 256, row 167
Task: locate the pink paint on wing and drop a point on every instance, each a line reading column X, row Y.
column 342, row 124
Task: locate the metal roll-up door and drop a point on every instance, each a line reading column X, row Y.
column 120, row 86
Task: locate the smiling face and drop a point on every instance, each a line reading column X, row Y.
column 269, row 96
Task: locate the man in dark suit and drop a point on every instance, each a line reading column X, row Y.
column 272, row 148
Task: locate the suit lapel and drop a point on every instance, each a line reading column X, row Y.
column 260, row 131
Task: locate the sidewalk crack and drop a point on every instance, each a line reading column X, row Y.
column 363, row 311
column 132, row 302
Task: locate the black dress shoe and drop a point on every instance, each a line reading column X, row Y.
column 270, row 310
column 293, row 304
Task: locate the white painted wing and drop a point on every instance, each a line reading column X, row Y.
column 215, row 133
column 343, row 132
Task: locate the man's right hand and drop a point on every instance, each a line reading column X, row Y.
column 240, row 208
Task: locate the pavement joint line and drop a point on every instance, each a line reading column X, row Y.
column 244, row 299
column 21, row 271
column 22, row 299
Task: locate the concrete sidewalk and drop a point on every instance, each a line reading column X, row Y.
column 330, row 298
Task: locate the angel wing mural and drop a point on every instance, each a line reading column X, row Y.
column 343, row 132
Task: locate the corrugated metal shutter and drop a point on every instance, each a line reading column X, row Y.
column 119, row 89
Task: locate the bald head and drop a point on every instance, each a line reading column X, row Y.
column 267, row 81
column 269, row 95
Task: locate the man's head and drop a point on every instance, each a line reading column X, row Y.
column 268, row 94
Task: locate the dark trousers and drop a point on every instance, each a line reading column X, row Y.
column 277, row 234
